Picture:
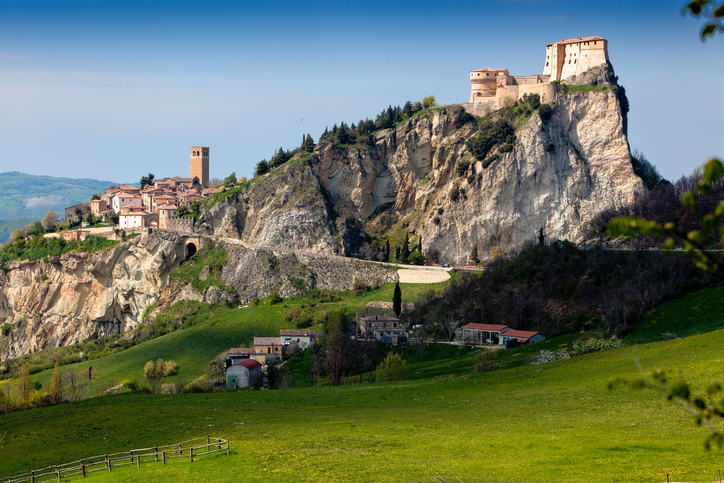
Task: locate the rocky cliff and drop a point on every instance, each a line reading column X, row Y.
column 559, row 174
column 80, row 296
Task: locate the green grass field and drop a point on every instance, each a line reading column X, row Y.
column 556, row 422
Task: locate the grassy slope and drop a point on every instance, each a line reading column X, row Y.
column 556, row 422
column 194, row 347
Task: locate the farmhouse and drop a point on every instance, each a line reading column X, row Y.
column 268, row 350
column 242, row 373
column 381, row 327
column 479, row 334
column 240, row 354
column 304, row 338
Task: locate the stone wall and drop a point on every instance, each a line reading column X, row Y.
column 182, row 225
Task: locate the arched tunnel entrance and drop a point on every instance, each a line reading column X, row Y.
column 191, row 248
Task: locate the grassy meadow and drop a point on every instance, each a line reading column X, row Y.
column 555, row 422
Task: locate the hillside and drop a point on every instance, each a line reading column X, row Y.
column 448, row 178
column 518, row 425
column 31, row 196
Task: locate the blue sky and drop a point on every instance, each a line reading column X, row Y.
column 114, row 90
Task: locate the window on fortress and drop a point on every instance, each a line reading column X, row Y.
column 575, row 61
column 547, row 64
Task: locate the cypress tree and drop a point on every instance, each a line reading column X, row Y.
column 405, row 251
column 397, row 300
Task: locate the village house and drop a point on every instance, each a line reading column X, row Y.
column 72, row 212
column 382, row 328
column 165, row 213
column 75, row 235
column 122, row 199
column 491, row 334
column 304, row 338
column 268, row 350
column 239, row 354
column 135, row 216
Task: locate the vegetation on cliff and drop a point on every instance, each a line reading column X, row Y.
column 39, row 247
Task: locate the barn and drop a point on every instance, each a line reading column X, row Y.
column 242, row 373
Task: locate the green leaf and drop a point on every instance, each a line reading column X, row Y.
column 709, row 222
column 695, row 236
column 695, row 6
column 688, row 200
column 669, row 244
column 719, row 209
column 713, row 171
column 718, row 11
column 708, row 30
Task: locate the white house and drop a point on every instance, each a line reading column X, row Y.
column 242, row 373
column 122, row 199
column 304, row 338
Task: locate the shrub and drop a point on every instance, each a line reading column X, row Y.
column 275, row 298
column 360, row 288
column 549, row 356
column 545, row 111
column 298, row 284
column 490, row 134
column 454, row 194
column 505, row 148
column 416, row 258
column 488, row 161
column 440, row 211
column 471, row 178
column 549, row 147
column 392, row 368
column 462, row 167
column 6, row 329
column 485, row 361
column 586, row 346
column 436, row 220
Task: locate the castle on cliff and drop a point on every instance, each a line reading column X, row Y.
column 563, row 60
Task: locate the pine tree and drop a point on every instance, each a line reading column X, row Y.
column 397, row 300
column 56, row 385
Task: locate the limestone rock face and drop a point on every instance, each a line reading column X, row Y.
column 285, row 209
column 80, row 296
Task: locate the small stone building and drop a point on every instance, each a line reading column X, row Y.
column 268, row 350
column 304, row 338
column 380, row 327
column 240, row 354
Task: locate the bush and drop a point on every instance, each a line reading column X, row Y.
column 586, row 346
column 436, row 220
column 545, row 111
column 489, row 161
column 275, row 298
column 485, row 361
column 462, row 167
column 392, row 368
column 505, row 148
column 490, row 134
column 549, row 356
column 454, row 194
column 471, row 178
column 360, row 288
column 416, row 258
column 6, row 329
column 440, row 211
column 549, row 147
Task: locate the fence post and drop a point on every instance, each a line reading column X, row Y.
column 667, row 478
column 227, row 448
column 156, row 448
column 208, row 441
column 138, row 460
column 180, row 451
column 57, row 472
column 32, row 477
column 719, row 476
column 164, row 457
column 131, row 456
column 108, row 462
column 192, row 454
column 82, row 469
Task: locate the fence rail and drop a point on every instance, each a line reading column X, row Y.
column 191, row 449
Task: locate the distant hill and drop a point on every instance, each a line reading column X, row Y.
column 8, row 226
column 28, row 196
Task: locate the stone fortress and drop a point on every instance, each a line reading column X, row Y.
column 563, row 59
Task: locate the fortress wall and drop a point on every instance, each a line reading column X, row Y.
column 183, row 225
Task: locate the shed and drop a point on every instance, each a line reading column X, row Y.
column 520, row 337
column 242, row 373
column 483, row 333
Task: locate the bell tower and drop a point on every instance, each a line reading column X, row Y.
column 200, row 164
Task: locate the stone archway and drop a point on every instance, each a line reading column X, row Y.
column 191, row 249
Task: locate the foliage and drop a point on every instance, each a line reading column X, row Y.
column 462, row 167
column 405, row 249
column 40, row 247
column 454, row 194
column 495, row 253
column 712, row 11
column 645, row 170
column 262, row 168
column 50, row 221
column 490, row 134
column 549, row 147
column 7, row 328
column 485, row 361
column 545, row 112
column 545, row 356
column 428, row 102
column 56, row 385
column 230, row 181
column 586, row 345
column 474, row 255
column 416, row 258
column 307, row 144
column 209, row 255
column 155, row 371
column 147, row 180
column 392, row 368
column 397, row 300
column 693, row 241
column 275, row 298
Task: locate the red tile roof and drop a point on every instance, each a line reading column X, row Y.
column 249, row 363
column 241, row 351
column 521, row 335
column 267, row 341
column 292, row 332
column 488, row 327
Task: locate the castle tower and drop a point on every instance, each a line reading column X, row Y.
column 574, row 57
column 200, row 164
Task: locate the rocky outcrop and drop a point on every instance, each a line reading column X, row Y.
column 80, row 296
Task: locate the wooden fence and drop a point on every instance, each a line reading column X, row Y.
column 187, row 449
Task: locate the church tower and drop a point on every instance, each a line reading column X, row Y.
column 200, row 164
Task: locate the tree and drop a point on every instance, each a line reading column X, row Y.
column 50, row 220
column 397, row 300
column 24, row 386
column 56, row 385
column 147, row 180
column 392, row 368
column 154, row 372
column 38, row 228
column 405, row 250
column 307, row 143
column 335, row 362
column 474, row 255
column 262, row 168
column 230, row 181
column 417, row 258
column 428, row 101
column 95, row 196
column 16, row 235
column 495, row 253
